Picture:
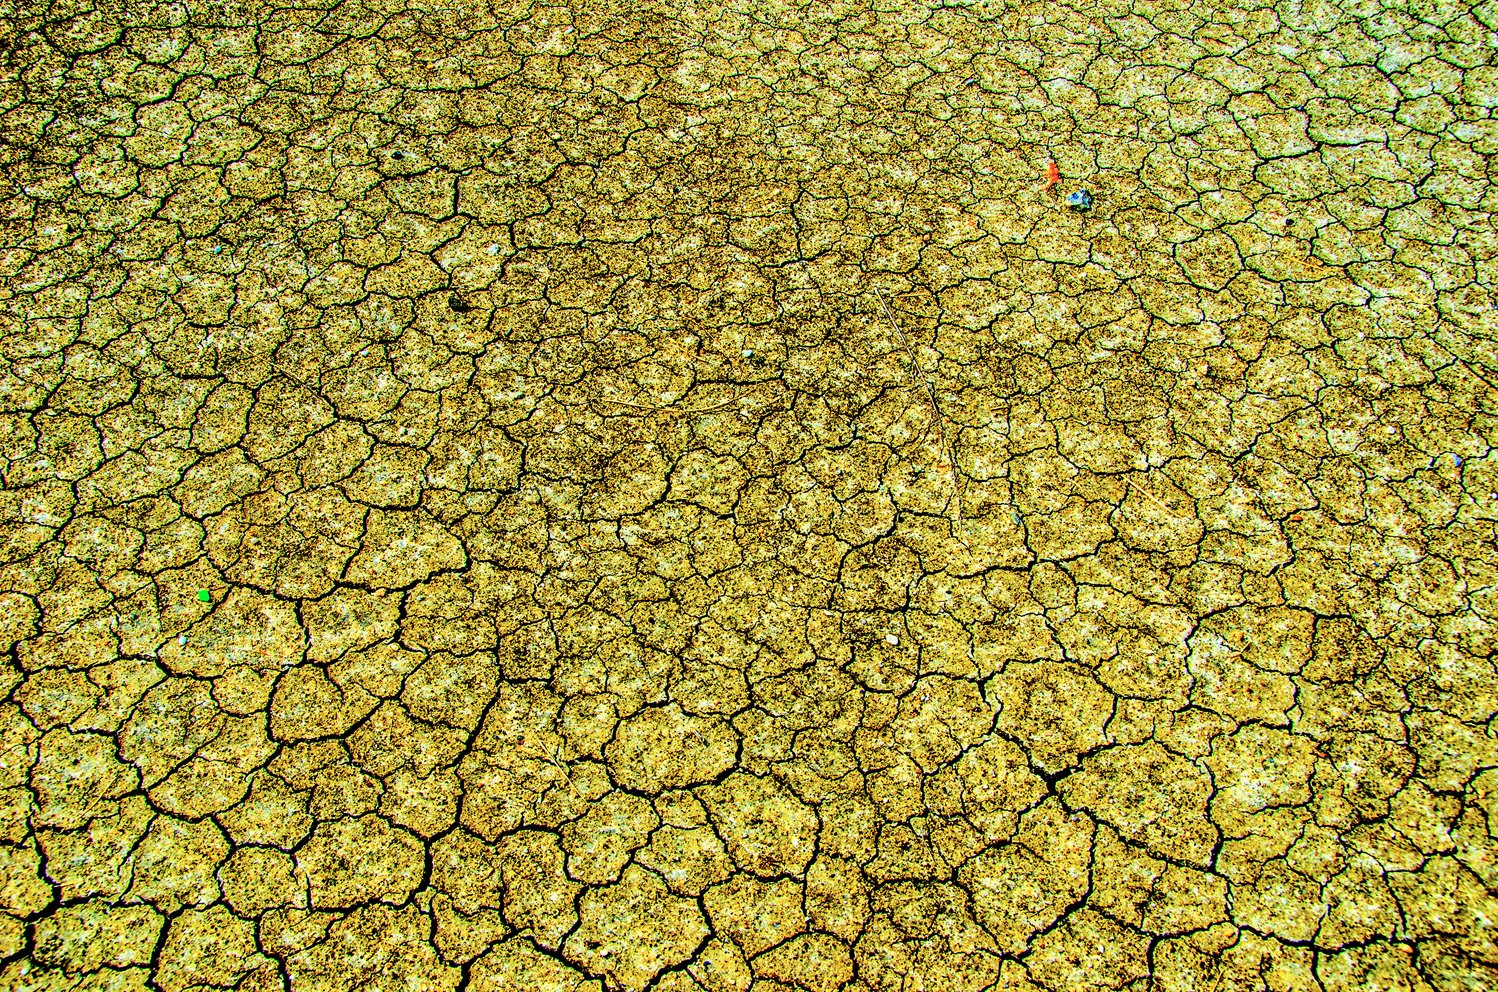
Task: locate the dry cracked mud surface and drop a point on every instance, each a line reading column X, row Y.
column 666, row 496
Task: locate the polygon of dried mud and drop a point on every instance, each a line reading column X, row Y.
column 685, row 505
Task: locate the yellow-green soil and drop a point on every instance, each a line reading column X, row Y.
column 559, row 406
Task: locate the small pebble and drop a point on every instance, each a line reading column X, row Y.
column 891, row 640
column 181, row 640
column 1080, row 200
column 204, row 596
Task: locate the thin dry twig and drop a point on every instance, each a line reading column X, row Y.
column 537, row 751
column 1154, row 499
column 656, row 409
column 556, row 763
column 948, row 450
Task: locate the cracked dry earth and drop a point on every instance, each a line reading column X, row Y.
column 555, row 409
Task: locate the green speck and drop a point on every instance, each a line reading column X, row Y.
column 204, row 596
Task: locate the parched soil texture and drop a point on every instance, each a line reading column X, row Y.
column 915, row 497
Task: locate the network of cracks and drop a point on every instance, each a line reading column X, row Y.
column 695, row 498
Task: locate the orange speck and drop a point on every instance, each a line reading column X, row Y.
column 1052, row 174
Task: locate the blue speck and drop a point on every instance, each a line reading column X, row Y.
column 217, row 249
column 1457, row 459
column 1080, row 200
